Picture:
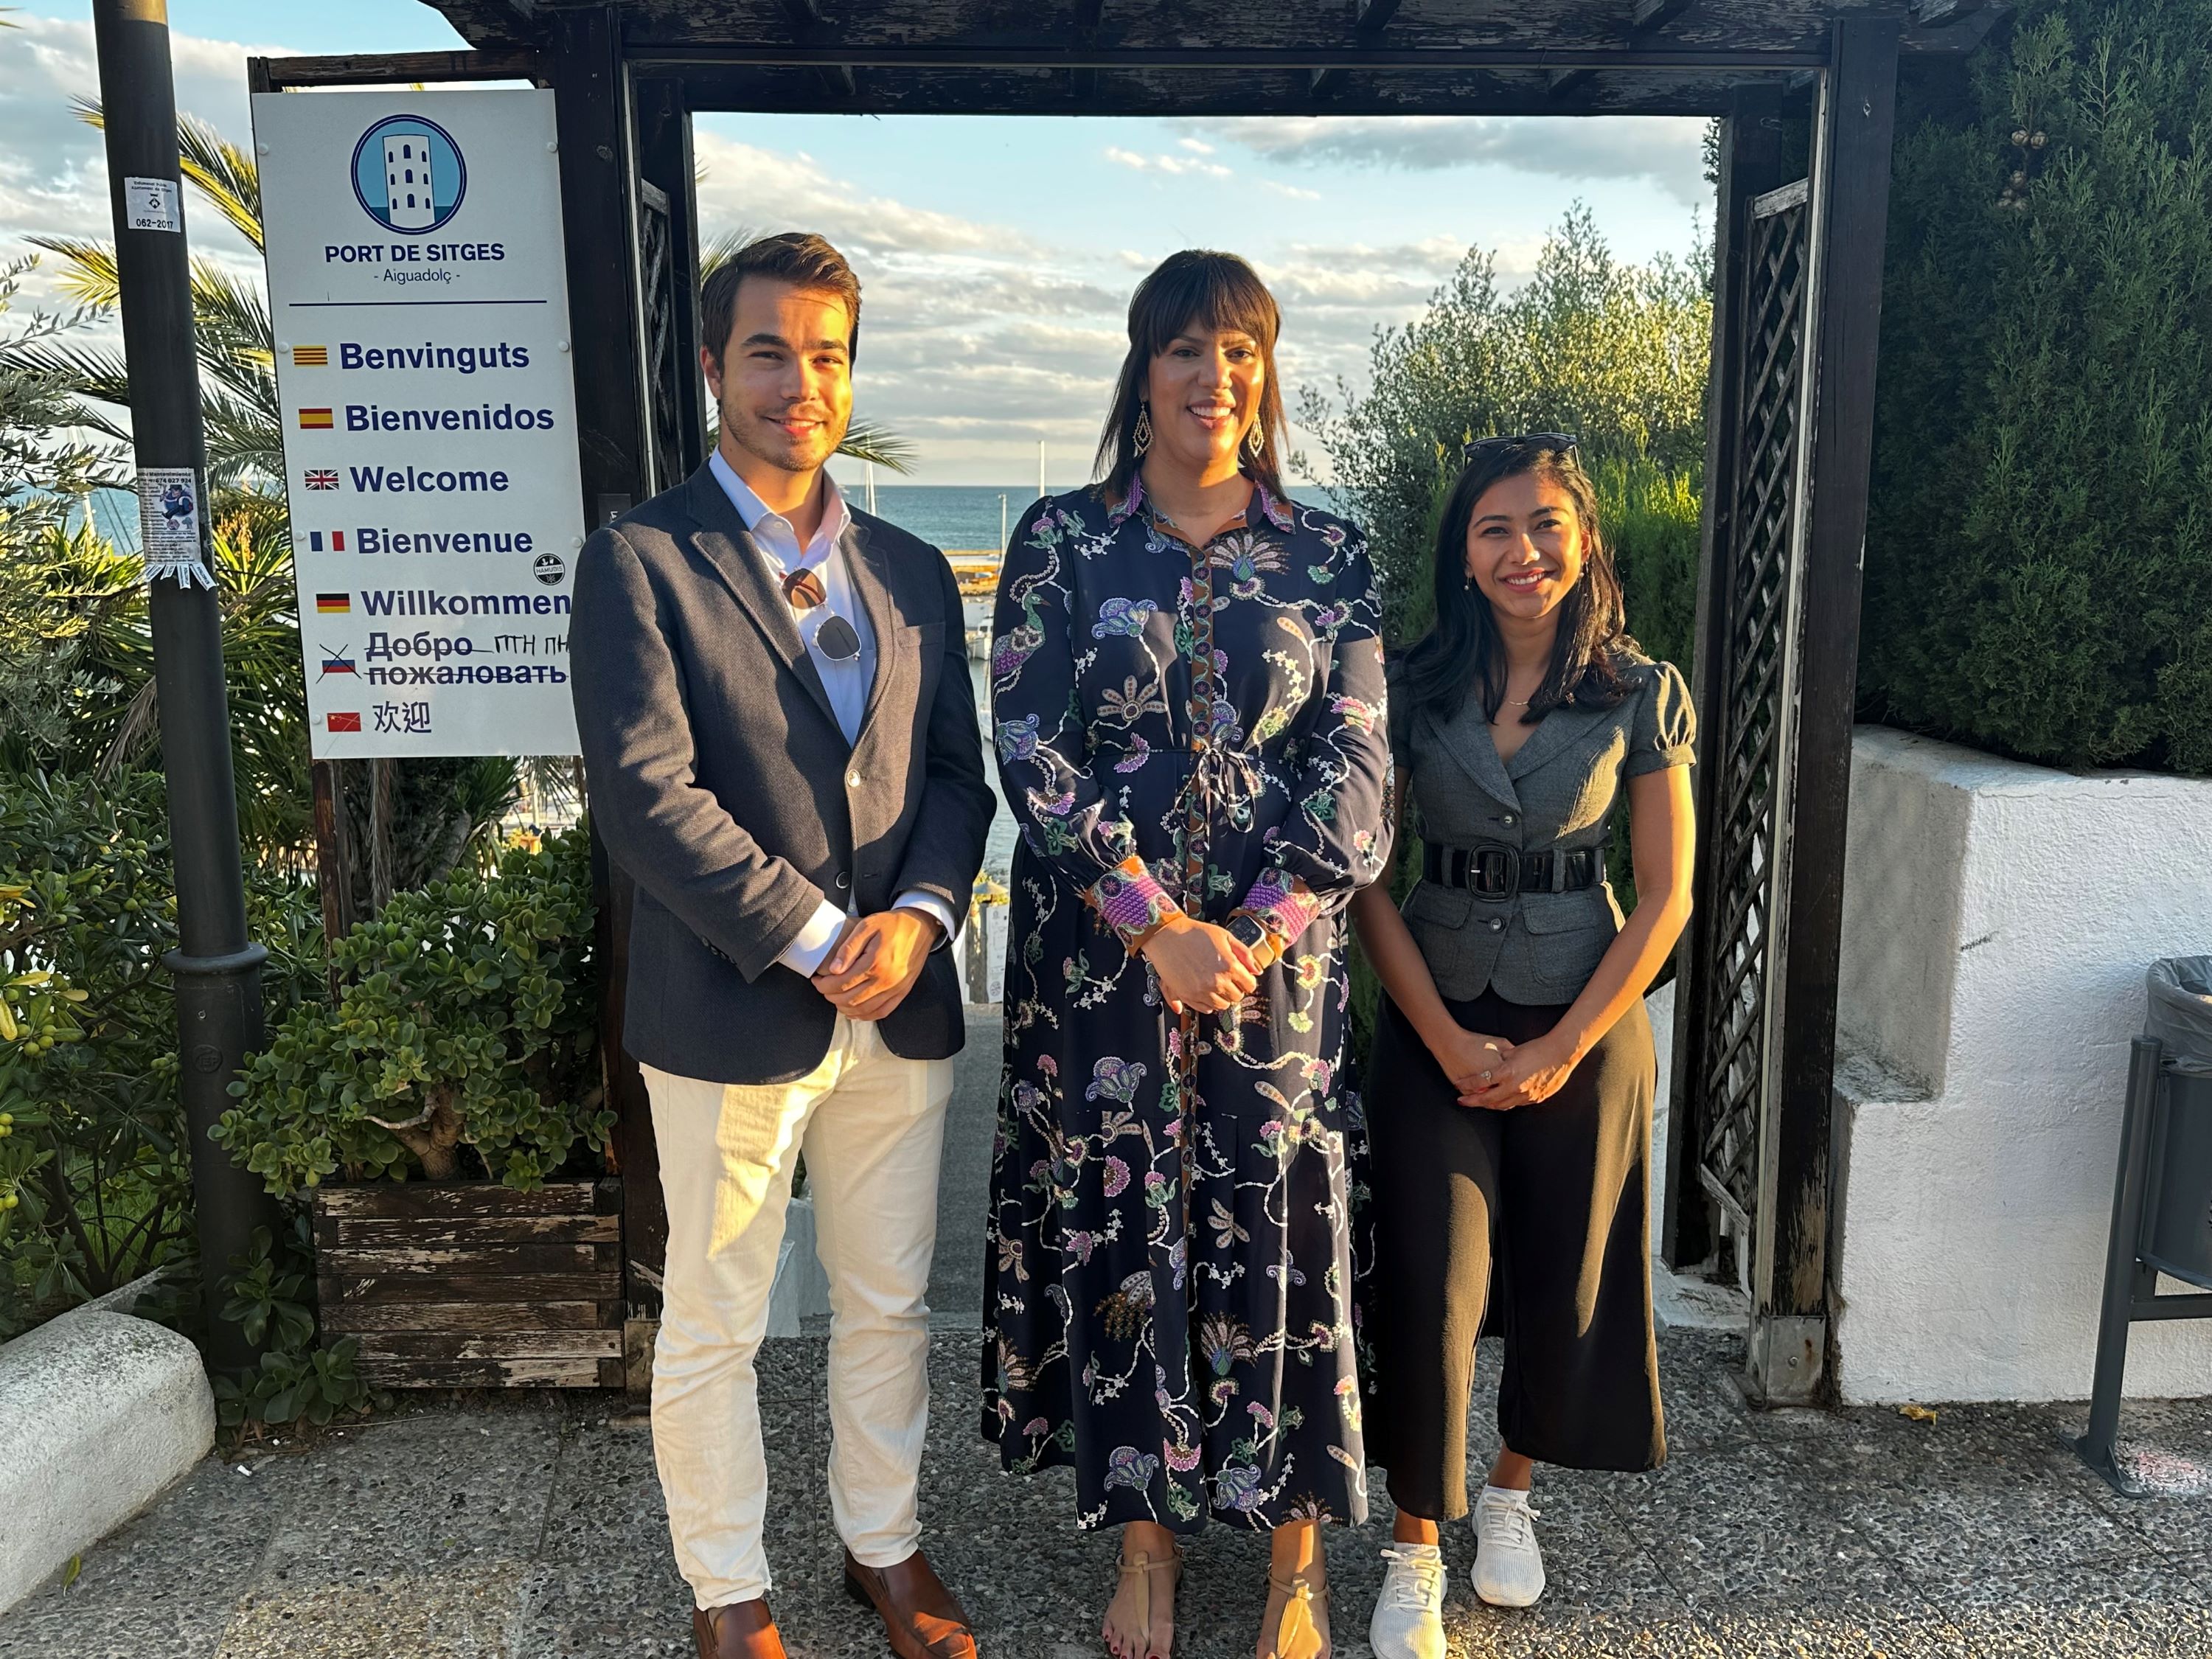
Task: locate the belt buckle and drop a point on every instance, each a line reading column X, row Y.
column 1494, row 871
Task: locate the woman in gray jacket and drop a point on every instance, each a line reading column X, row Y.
column 1510, row 1093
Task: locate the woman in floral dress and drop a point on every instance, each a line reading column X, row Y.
column 1187, row 691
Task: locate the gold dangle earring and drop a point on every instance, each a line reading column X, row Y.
column 1141, row 439
column 1256, row 440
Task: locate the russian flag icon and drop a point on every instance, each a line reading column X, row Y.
column 337, row 540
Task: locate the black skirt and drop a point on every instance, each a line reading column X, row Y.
column 1536, row 1219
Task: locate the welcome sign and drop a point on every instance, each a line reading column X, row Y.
column 418, row 288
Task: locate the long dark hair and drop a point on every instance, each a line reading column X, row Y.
column 1462, row 651
column 1216, row 291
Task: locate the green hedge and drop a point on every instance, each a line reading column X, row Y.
column 2040, row 550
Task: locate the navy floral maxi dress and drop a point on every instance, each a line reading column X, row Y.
column 1168, row 1285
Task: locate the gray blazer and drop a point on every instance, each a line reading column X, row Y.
column 1558, row 791
column 722, row 782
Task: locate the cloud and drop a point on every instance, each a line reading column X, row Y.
column 770, row 190
column 1174, row 165
column 1296, row 192
column 54, row 168
column 1665, row 150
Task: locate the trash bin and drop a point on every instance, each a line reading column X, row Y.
column 2162, row 1194
column 2178, row 1222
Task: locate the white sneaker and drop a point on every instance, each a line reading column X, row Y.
column 1409, row 1613
column 1508, row 1568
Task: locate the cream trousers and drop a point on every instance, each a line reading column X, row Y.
column 872, row 1126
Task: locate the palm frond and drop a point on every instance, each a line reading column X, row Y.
column 869, row 440
column 89, row 275
column 224, row 175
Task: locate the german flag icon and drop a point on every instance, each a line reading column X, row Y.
column 333, row 604
column 314, row 420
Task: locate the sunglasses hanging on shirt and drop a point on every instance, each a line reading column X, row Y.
column 835, row 638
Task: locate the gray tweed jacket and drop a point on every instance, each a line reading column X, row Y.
column 721, row 781
column 1558, row 791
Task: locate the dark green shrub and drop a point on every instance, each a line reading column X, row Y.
column 2039, row 552
column 96, row 1186
column 468, row 1019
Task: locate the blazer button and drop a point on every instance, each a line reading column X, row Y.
column 1498, row 924
column 853, row 780
column 1505, row 817
column 843, row 880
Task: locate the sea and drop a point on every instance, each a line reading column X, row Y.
column 975, row 517
column 958, row 518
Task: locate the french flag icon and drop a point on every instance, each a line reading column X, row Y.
column 337, row 539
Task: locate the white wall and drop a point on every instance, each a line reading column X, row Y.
column 1997, row 919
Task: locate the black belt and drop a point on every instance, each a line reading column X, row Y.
column 1492, row 869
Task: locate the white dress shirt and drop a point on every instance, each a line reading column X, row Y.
column 848, row 683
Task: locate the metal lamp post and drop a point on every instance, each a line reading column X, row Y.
column 217, row 969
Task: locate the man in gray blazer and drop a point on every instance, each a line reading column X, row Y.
column 780, row 734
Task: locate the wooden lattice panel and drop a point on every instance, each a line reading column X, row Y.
column 1753, row 816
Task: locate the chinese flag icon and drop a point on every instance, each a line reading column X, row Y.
column 344, row 722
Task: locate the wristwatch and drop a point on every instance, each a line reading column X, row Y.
column 1248, row 931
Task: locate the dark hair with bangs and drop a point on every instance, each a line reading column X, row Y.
column 1216, row 291
column 1462, row 652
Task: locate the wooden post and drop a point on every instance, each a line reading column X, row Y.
column 1856, row 120
column 1751, row 165
column 584, row 55
column 333, row 867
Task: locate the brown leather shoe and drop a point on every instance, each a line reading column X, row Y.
column 919, row 1614
column 743, row 1629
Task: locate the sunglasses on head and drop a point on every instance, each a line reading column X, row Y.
column 1556, row 443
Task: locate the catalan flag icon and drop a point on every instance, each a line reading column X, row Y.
column 334, row 604
column 311, row 356
column 315, row 540
column 342, row 722
column 314, row 420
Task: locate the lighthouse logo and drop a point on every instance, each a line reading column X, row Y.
column 408, row 174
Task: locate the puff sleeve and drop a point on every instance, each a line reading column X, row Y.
column 1664, row 729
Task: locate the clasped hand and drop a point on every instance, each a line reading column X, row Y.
column 1498, row 1075
column 876, row 961
column 1202, row 968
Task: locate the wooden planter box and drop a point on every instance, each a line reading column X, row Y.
column 472, row 1284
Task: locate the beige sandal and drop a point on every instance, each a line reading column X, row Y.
column 1291, row 1605
column 1141, row 1567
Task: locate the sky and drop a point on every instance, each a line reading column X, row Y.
column 996, row 254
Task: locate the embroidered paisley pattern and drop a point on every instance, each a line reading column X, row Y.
column 1170, row 1301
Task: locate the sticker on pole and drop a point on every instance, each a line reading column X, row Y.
column 169, row 525
column 152, row 205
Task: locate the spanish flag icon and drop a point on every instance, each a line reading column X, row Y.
column 333, row 604
column 314, row 420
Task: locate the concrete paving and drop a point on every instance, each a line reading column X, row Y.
column 531, row 1527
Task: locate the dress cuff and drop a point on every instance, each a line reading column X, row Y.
column 1284, row 903
column 1131, row 899
column 915, row 898
column 805, row 955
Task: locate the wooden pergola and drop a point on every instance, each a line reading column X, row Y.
column 1807, row 92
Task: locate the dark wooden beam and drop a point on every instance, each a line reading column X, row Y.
column 1645, row 18
column 811, row 29
column 1851, row 195
column 371, row 69
column 1083, row 84
column 1933, row 14
column 1367, row 29
column 662, row 58
column 1751, row 165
